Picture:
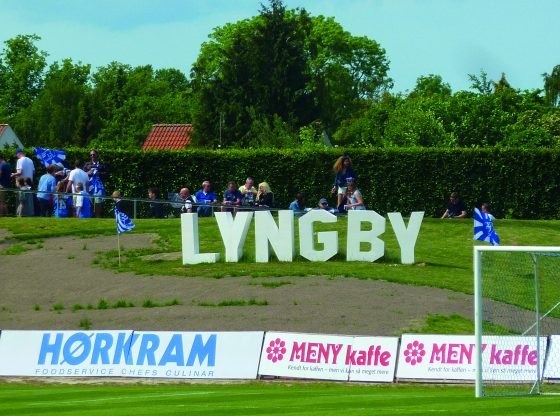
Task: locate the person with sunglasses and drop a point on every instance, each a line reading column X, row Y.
column 97, row 173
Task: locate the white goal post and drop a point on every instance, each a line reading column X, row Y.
column 516, row 308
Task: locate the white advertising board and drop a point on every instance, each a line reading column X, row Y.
column 552, row 364
column 452, row 357
column 204, row 355
column 329, row 357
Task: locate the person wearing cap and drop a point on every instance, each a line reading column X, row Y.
column 324, row 204
column 24, row 166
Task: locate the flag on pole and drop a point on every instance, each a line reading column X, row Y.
column 123, row 222
column 484, row 229
column 50, row 157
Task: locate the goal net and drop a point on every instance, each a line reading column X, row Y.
column 517, row 320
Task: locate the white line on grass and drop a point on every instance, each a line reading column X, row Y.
column 124, row 398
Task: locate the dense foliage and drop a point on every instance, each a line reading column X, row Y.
column 516, row 183
column 281, row 79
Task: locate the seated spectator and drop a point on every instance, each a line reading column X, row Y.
column 354, row 199
column 83, row 204
column 232, row 198
column 47, row 185
column 486, row 209
column 324, row 204
column 62, row 203
column 298, row 204
column 248, row 191
column 156, row 208
column 205, row 196
column 25, row 204
column 455, row 207
column 187, row 200
column 265, row 197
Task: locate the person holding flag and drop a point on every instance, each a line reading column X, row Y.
column 97, row 173
column 124, row 224
column 484, row 228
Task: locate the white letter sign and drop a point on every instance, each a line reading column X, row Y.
column 356, row 236
column 189, row 239
column 281, row 237
column 329, row 239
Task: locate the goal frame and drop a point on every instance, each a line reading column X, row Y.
column 477, row 268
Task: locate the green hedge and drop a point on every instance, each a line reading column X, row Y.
column 516, row 183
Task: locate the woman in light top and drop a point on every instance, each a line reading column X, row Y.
column 355, row 201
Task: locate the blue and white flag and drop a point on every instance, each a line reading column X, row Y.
column 123, row 222
column 50, row 157
column 484, row 229
column 96, row 186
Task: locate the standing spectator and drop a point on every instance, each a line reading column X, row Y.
column 354, row 199
column 25, row 206
column 62, row 202
column 265, row 197
column 248, row 191
column 5, row 176
column 455, row 207
column 24, row 166
column 205, row 196
column 187, row 200
column 486, row 209
column 47, row 185
column 156, row 208
column 344, row 173
column 77, row 175
column 83, row 204
column 298, row 204
column 232, row 197
column 97, row 173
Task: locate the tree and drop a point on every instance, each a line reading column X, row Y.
column 430, row 85
column 21, row 74
column 552, row 86
column 481, row 84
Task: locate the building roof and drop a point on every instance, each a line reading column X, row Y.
column 3, row 127
column 168, row 137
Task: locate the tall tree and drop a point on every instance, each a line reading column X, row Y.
column 552, row 86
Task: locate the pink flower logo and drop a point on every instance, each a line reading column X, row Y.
column 414, row 352
column 276, row 350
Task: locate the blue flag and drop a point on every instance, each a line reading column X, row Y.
column 484, row 229
column 50, row 157
column 123, row 222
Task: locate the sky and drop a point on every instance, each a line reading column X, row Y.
column 450, row 38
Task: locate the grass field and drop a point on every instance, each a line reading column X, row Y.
column 263, row 398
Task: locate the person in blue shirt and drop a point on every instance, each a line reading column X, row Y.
column 47, row 185
column 298, row 204
column 344, row 174
column 83, row 204
column 62, row 201
column 232, row 197
column 5, row 177
column 205, row 196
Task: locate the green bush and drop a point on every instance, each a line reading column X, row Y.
column 516, row 183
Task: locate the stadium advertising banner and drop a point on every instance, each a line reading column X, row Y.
column 452, row 357
column 552, row 367
column 199, row 355
column 329, row 357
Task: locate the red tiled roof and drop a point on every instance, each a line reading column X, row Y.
column 168, row 137
column 2, row 128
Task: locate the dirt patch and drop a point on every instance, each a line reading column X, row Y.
column 61, row 272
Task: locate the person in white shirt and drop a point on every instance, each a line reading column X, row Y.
column 24, row 167
column 77, row 175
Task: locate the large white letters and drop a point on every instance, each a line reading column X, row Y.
column 329, row 239
column 189, row 239
column 356, row 236
column 406, row 237
column 281, row 237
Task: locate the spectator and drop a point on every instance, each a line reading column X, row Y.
column 97, row 173
column 232, row 197
column 187, row 200
column 47, row 185
column 156, row 208
column 455, row 207
column 344, row 173
column 324, row 204
column 298, row 204
column 205, row 196
column 83, row 204
column 116, row 195
column 24, row 167
column 77, row 175
column 5, row 176
column 265, row 197
column 354, row 199
column 248, row 191
column 486, row 209
column 62, row 202
column 25, row 204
